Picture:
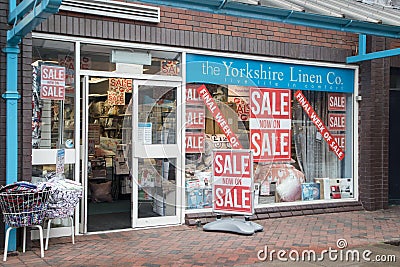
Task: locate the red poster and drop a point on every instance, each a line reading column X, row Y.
column 219, row 117
column 340, row 139
column 333, row 145
column 336, row 102
column 195, row 118
column 119, row 85
column 194, row 142
column 270, row 124
column 192, row 97
column 337, row 122
column 233, row 182
column 116, row 98
column 52, row 84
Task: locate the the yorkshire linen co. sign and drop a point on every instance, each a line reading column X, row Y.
column 241, row 72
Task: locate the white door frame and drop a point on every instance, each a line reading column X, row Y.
column 138, row 80
column 172, row 151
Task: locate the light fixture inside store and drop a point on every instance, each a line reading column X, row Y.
column 97, row 80
column 130, row 57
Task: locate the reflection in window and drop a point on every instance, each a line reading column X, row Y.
column 129, row 60
column 53, row 94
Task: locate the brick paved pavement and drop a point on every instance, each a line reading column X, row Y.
column 190, row 246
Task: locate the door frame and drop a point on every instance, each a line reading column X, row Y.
column 171, row 151
column 137, row 79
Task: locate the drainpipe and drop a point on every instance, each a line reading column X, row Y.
column 11, row 96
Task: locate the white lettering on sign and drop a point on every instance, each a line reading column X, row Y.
column 236, row 198
column 337, row 122
column 232, row 181
column 319, row 124
column 218, row 116
column 232, row 165
column 270, row 145
column 336, row 102
column 192, row 97
column 270, row 103
column 52, row 82
column 340, row 140
column 194, row 142
column 52, row 92
column 270, row 124
column 195, row 118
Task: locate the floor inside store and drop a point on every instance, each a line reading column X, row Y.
column 105, row 216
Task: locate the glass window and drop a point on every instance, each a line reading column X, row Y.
column 293, row 158
column 53, row 94
column 129, row 60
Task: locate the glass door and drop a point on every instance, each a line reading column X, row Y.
column 106, row 176
column 156, row 153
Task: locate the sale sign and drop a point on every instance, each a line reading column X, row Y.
column 120, row 85
column 194, row 142
column 340, row 140
column 115, row 98
column 52, row 83
column 337, row 122
column 218, row 116
column 192, row 97
column 233, row 181
column 270, row 124
column 195, row 118
column 333, row 145
column 336, row 102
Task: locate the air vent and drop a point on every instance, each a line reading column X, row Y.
column 114, row 9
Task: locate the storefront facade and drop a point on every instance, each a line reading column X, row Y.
column 145, row 103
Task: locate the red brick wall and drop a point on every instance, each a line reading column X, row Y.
column 187, row 20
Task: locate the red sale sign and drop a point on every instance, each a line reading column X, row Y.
column 333, row 145
column 340, row 139
column 120, row 85
column 233, row 182
column 336, row 102
column 270, row 124
column 192, row 97
column 52, row 83
column 194, row 142
column 195, row 118
column 337, row 122
column 218, row 116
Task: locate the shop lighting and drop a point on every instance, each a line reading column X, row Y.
column 130, row 57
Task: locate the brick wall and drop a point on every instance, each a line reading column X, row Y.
column 374, row 128
column 183, row 28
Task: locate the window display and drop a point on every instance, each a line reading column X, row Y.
column 53, row 94
column 297, row 120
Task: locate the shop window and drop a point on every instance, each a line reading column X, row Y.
column 129, row 60
column 53, row 94
column 293, row 160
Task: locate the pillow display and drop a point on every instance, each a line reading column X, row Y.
column 101, row 192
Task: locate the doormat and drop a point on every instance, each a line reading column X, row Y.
column 116, row 206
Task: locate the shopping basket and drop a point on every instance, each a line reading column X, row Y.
column 23, row 204
column 25, row 207
column 62, row 203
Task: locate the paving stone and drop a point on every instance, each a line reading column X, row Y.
column 191, row 246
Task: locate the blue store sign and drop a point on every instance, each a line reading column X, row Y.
column 242, row 72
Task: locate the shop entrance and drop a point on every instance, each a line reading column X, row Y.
column 131, row 144
column 394, row 147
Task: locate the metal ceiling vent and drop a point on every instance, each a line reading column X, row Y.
column 114, row 9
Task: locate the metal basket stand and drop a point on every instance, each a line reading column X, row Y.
column 62, row 204
column 24, row 209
